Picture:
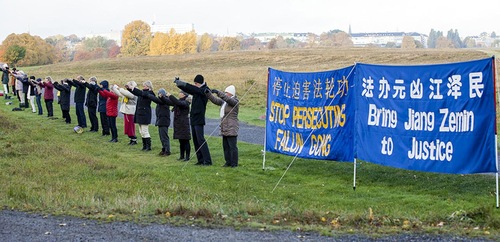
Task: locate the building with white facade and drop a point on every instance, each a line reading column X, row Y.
column 382, row 39
column 165, row 28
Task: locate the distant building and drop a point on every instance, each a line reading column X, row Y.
column 264, row 38
column 165, row 28
column 382, row 39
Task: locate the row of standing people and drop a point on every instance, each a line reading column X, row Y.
column 136, row 109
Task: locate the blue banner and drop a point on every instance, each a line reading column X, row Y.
column 436, row 118
column 311, row 115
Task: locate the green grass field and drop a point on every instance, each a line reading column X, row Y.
column 47, row 168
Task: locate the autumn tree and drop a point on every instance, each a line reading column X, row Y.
column 251, row 44
column 408, row 43
column 272, row 44
column 136, row 38
column 96, row 48
column 38, row 52
column 229, row 43
column 158, row 44
column 14, row 54
column 205, row 44
column 188, row 42
column 64, row 46
column 443, row 43
column 173, row 43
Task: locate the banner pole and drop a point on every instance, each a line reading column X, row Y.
column 354, row 180
column 265, row 126
column 496, row 99
column 264, row 151
column 496, row 159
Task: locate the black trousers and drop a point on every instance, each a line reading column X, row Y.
column 50, row 107
column 230, row 146
column 112, row 127
column 66, row 116
column 94, row 123
column 200, row 145
column 80, row 115
column 185, row 148
column 104, row 123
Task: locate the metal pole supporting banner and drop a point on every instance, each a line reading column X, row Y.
column 496, row 159
column 354, row 180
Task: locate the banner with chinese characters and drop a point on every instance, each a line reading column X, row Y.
column 436, row 118
column 311, row 115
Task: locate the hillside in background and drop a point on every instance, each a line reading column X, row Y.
column 247, row 70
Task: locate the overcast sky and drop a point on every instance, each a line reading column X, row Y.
column 81, row 17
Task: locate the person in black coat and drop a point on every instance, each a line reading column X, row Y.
column 143, row 112
column 91, row 103
column 181, row 123
column 79, row 99
column 101, row 108
column 197, row 118
column 64, row 98
column 163, row 104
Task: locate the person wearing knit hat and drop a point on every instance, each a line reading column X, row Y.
column 197, row 116
column 228, row 123
column 142, row 114
column 163, row 104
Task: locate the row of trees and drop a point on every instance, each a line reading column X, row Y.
column 138, row 40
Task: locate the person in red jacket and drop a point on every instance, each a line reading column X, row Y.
column 111, row 110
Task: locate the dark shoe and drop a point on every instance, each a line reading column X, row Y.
column 167, row 153
column 226, row 165
column 181, row 158
column 198, row 164
column 186, row 159
column 144, row 144
column 113, row 140
column 162, row 153
column 132, row 142
column 147, row 142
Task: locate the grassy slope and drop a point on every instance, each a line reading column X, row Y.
column 46, row 167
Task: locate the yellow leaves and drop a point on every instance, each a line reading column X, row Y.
column 370, row 214
column 173, row 43
column 229, row 43
column 335, row 223
column 406, row 225
column 206, row 43
column 136, row 38
column 167, row 214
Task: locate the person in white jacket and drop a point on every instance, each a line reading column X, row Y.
column 127, row 108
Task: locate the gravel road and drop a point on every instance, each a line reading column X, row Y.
column 20, row 226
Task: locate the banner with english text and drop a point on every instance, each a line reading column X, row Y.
column 311, row 115
column 435, row 118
